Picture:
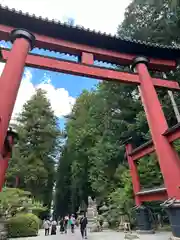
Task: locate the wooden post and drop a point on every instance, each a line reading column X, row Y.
column 168, row 158
column 9, row 85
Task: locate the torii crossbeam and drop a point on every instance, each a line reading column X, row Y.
column 86, row 68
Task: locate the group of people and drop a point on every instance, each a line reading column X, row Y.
column 64, row 222
column 50, row 225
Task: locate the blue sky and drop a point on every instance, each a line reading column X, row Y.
column 62, row 89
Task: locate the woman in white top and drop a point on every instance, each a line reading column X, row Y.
column 46, row 226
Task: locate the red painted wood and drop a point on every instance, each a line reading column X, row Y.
column 69, row 67
column 87, row 58
column 143, row 152
column 172, row 136
column 99, row 54
column 134, row 174
column 165, row 83
column 168, row 159
column 159, row 196
column 9, row 81
column 76, row 68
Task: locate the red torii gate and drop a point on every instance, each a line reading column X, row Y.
column 27, row 32
column 133, row 155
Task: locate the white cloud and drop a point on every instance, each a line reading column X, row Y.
column 25, row 92
column 100, row 15
column 59, row 98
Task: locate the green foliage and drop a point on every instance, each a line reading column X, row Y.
column 119, row 204
column 63, row 204
column 98, row 126
column 33, row 159
column 120, row 201
column 174, row 4
column 37, row 208
column 149, row 172
column 14, row 200
column 151, row 23
column 177, row 145
column 23, row 225
column 93, row 158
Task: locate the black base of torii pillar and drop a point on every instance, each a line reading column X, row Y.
column 172, row 207
column 144, row 220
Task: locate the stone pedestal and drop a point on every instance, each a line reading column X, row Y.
column 172, row 207
column 91, row 212
column 143, row 220
column 105, row 225
column 3, row 230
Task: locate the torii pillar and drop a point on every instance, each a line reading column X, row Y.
column 10, row 81
column 167, row 156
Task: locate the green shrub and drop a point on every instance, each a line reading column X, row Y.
column 23, row 225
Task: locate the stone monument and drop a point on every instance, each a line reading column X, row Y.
column 91, row 211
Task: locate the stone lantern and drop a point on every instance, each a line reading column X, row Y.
column 103, row 210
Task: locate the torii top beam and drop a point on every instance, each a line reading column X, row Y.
column 86, row 69
column 56, row 36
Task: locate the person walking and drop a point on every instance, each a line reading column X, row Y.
column 83, row 226
column 66, row 219
column 72, row 223
column 61, row 223
column 53, row 227
column 46, row 226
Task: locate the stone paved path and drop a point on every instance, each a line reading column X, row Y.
column 108, row 235
column 105, row 235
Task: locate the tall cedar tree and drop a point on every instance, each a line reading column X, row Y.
column 33, row 159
